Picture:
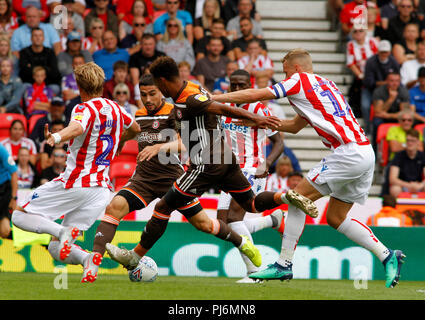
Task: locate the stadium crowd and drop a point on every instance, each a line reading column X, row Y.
column 384, row 41
column 41, row 42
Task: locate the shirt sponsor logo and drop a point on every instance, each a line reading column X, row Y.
column 149, row 137
column 105, row 110
column 233, row 127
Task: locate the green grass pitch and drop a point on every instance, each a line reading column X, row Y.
column 35, row 286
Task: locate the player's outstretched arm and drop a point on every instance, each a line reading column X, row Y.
column 72, row 131
column 239, row 113
column 175, row 146
column 244, row 96
column 293, row 125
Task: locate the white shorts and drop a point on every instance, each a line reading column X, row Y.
column 79, row 206
column 346, row 174
column 257, row 185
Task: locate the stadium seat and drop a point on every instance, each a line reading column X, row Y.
column 32, row 121
column 120, row 172
column 382, row 144
column 6, row 120
column 129, row 152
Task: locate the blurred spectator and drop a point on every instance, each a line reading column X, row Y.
column 8, row 190
column 38, row 96
column 221, row 85
column 374, row 24
column 376, row 70
column 69, row 106
column 69, row 84
column 294, row 178
column 239, row 46
column 230, row 9
column 101, row 10
column 389, row 216
column 352, row 13
column 255, row 63
column 93, row 42
column 110, row 54
column 58, row 163
column 64, row 32
column 127, row 25
column 244, row 10
column 75, row 19
column 39, row 55
column 405, row 49
column 212, row 66
column 6, row 53
column 21, row 7
column 417, row 97
column 127, row 10
column 388, row 101
column 27, row 174
column 8, row 18
column 409, row 69
column 120, row 76
column 202, row 25
column 359, row 49
column 56, row 113
column 407, row 168
column 396, row 136
column 46, row 150
column 78, row 6
column 278, row 181
column 175, row 45
column 73, row 48
column 158, row 5
column 218, row 30
column 11, row 89
column 272, row 105
column 172, row 11
column 17, row 140
column 133, row 41
column 141, row 60
column 185, row 73
column 121, row 95
column 388, row 11
column 22, row 37
column 406, row 14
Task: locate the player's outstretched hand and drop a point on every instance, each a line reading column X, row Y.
column 148, row 152
column 271, row 122
column 48, row 136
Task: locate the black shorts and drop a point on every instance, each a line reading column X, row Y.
column 5, row 197
column 199, row 179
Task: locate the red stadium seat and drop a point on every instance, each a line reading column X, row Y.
column 6, row 120
column 120, row 172
column 382, row 144
column 129, row 152
column 32, row 121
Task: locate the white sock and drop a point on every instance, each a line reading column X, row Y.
column 283, row 198
column 240, row 228
column 294, row 227
column 362, row 235
column 76, row 256
column 256, row 224
column 35, row 223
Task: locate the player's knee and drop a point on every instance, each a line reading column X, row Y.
column 53, row 249
column 17, row 218
column 162, row 207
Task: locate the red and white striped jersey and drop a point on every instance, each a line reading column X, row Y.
column 357, row 54
column 323, row 106
column 248, row 143
column 90, row 154
column 261, row 63
column 13, row 146
column 275, row 183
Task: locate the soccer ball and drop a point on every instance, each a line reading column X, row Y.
column 146, row 271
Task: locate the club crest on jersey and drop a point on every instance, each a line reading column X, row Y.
column 179, row 114
column 80, row 108
column 201, row 97
column 155, row 124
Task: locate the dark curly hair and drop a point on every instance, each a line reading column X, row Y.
column 164, row 67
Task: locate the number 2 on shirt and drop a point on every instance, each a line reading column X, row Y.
column 101, row 160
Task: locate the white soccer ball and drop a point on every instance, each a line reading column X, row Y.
column 146, row 271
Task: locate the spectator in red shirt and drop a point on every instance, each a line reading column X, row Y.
column 354, row 12
column 125, row 10
column 18, row 7
column 8, row 18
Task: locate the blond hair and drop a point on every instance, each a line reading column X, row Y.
column 300, row 56
column 284, row 161
column 180, row 35
column 90, row 78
